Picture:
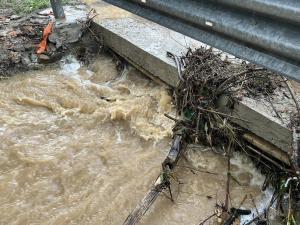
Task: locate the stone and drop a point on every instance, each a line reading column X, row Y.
column 43, row 59
column 55, row 39
column 33, row 57
column 15, row 57
column 15, row 17
column 25, row 59
column 66, row 34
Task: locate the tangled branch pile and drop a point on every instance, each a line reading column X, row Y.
column 205, row 78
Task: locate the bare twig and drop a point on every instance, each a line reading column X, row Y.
column 200, row 171
column 268, row 158
column 295, row 158
column 230, row 79
column 222, row 114
column 289, row 86
column 170, row 117
column 289, row 218
column 178, row 64
column 273, row 107
column 228, row 178
column 253, row 203
column 208, row 218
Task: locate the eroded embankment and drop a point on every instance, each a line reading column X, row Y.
column 82, row 146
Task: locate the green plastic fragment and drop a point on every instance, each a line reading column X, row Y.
column 188, row 114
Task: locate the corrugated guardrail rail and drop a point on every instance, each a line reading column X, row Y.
column 264, row 32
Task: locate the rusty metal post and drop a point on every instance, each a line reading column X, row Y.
column 57, row 8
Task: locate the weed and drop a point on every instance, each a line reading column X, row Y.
column 26, row 6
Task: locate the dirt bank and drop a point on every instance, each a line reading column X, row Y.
column 20, row 38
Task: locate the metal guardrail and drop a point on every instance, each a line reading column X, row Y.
column 264, row 32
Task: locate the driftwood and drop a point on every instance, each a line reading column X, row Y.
column 267, row 147
column 162, row 182
column 136, row 215
column 174, row 153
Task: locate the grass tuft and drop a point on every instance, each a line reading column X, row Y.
column 26, row 6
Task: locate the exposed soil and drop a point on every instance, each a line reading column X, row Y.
column 20, row 37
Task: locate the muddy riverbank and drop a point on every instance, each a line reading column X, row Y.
column 21, row 38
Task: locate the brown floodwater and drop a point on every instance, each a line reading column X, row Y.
column 83, row 145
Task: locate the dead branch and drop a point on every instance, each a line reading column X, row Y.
column 228, row 178
column 233, row 77
column 162, row 182
column 222, row 114
column 295, row 157
column 207, row 219
column 289, row 86
column 136, row 215
column 177, row 63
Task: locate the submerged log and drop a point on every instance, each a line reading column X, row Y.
column 174, row 153
column 136, row 215
column 162, row 182
column 267, row 147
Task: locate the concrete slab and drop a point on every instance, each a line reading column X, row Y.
column 144, row 44
column 73, row 13
column 67, row 30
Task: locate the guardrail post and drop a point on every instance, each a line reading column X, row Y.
column 57, row 8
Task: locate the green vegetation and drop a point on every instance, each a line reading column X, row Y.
column 26, row 6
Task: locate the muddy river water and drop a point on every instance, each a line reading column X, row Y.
column 82, row 146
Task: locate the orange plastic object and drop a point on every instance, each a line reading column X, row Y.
column 43, row 45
